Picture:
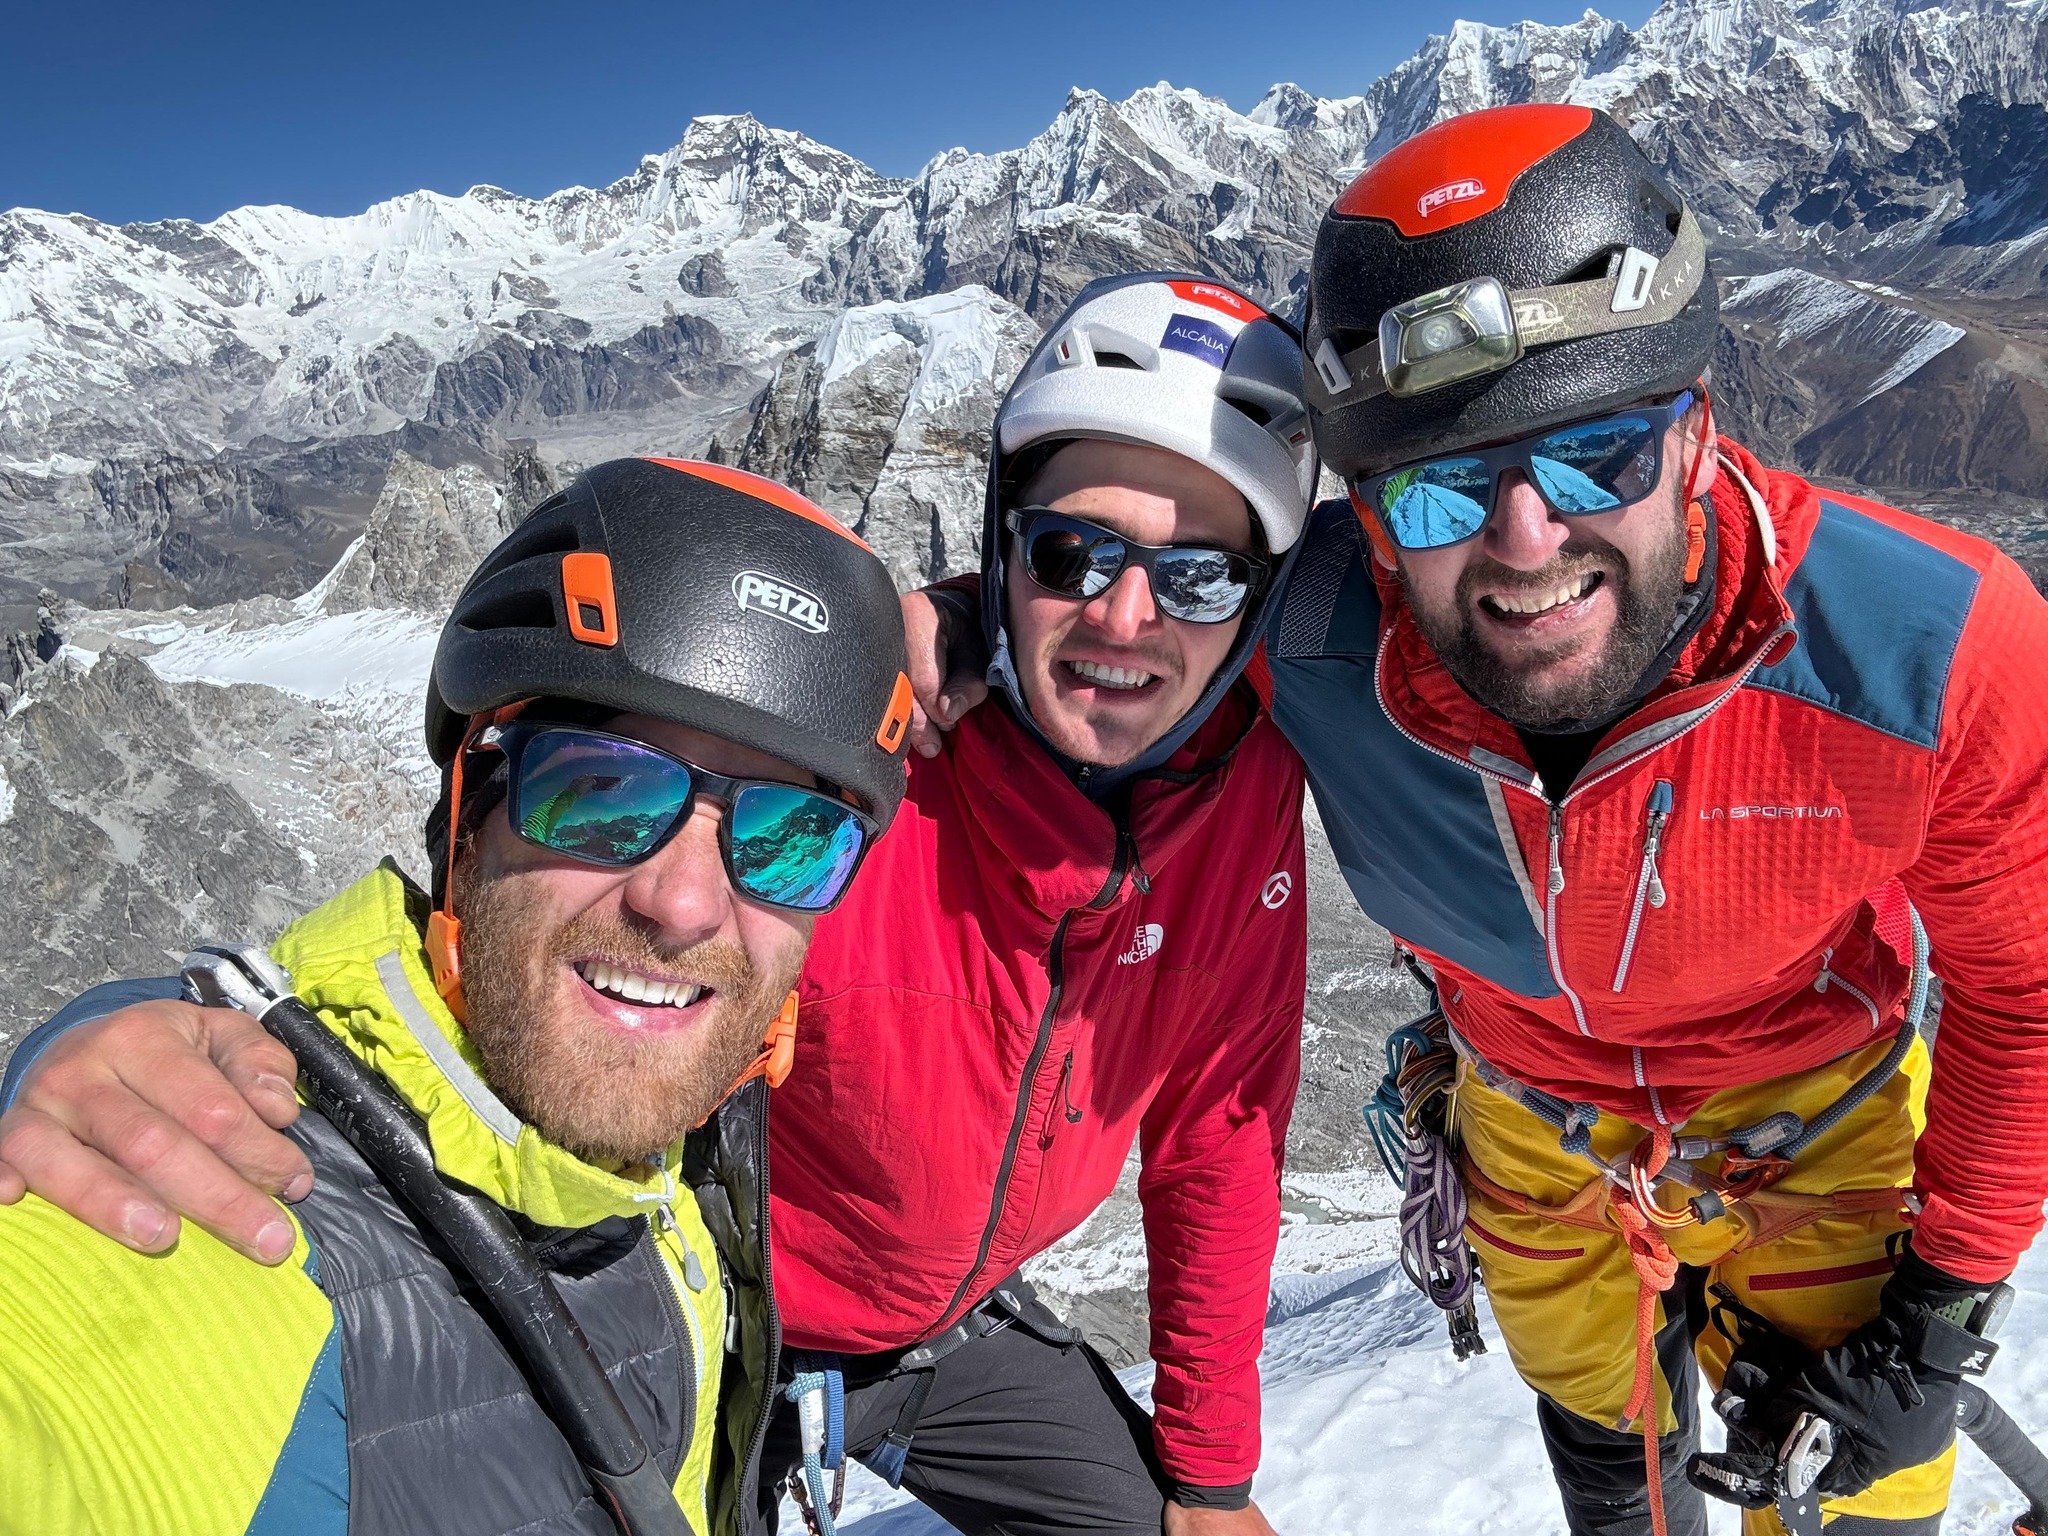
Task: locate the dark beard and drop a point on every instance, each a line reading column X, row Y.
column 600, row 1094
column 1646, row 603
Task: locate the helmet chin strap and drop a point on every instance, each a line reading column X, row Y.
column 778, row 1055
column 444, row 928
column 1695, row 508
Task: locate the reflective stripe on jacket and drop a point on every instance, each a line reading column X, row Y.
column 998, row 1010
column 355, row 1388
column 1864, row 704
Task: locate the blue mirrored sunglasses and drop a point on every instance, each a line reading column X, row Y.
column 1586, row 467
column 611, row 800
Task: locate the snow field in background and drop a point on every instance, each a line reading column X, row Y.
column 326, row 657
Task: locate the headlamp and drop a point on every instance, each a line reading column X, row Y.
column 1451, row 334
column 1480, row 325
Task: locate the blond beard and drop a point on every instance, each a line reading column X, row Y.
column 605, row 1095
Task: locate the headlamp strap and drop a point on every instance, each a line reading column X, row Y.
column 1643, row 290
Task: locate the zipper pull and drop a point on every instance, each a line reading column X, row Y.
column 1066, row 1086
column 1556, row 857
column 1128, row 860
column 1653, row 839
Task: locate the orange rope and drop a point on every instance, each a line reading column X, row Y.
column 1656, row 1268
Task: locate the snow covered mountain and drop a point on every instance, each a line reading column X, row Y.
column 207, row 410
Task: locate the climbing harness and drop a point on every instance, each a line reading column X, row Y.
column 818, row 1389
column 1410, row 1123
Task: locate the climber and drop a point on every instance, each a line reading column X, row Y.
column 580, row 1014
column 1084, row 931
column 1634, row 741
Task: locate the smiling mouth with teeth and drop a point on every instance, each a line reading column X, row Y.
column 631, row 987
column 1527, row 605
column 1108, row 677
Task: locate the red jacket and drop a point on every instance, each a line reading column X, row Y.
column 1865, row 703
column 1000, row 1008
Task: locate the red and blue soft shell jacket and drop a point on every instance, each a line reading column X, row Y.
column 1010, row 996
column 1867, row 703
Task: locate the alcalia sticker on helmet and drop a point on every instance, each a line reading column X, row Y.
column 758, row 593
column 1198, row 338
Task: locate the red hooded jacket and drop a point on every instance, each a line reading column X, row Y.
column 1013, row 992
column 1864, row 705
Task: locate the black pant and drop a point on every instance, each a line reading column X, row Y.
column 1019, row 1437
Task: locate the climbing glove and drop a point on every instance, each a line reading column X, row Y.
column 1889, row 1390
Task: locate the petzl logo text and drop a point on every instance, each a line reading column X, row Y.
column 1198, row 338
column 779, row 600
column 1461, row 191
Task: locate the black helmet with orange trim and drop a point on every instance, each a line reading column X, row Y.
column 1500, row 273
column 697, row 594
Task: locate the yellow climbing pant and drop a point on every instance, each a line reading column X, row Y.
column 1811, row 1258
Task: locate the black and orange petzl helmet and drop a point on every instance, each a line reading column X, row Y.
column 1503, row 272
column 693, row 593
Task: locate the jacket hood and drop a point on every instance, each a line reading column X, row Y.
column 1102, row 783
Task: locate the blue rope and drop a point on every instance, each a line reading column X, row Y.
column 1385, row 1114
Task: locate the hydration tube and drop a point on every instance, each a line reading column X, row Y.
column 570, row 1382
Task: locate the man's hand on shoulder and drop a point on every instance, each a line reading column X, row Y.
column 158, row 1109
column 1181, row 1520
column 943, row 660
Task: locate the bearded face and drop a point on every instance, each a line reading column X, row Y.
column 1545, row 619
column 1492, row 640
column 613, row 1007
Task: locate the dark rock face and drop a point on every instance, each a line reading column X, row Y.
column 514, row 385
column 119, row 848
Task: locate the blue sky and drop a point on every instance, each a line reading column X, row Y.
column 145, row 109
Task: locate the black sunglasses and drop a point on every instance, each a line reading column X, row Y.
column 1579, row 469
column 1072, row 557
column 611, row 800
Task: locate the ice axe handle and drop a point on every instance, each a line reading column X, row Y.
column 2006, row 1446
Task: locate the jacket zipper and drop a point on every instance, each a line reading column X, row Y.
column 1056, row 970
column 1555, row 886
column 1062, row 1101
column 750, row 1469
column 680, row 1320
column 1649, row 883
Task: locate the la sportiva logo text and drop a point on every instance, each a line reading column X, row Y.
column 758, row 593
column 1770, row 812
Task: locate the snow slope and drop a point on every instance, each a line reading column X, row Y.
column 1372, row 1427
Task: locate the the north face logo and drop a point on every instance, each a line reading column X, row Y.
column 1144, row 944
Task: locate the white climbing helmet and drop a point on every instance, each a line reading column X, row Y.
column 1180, row 363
